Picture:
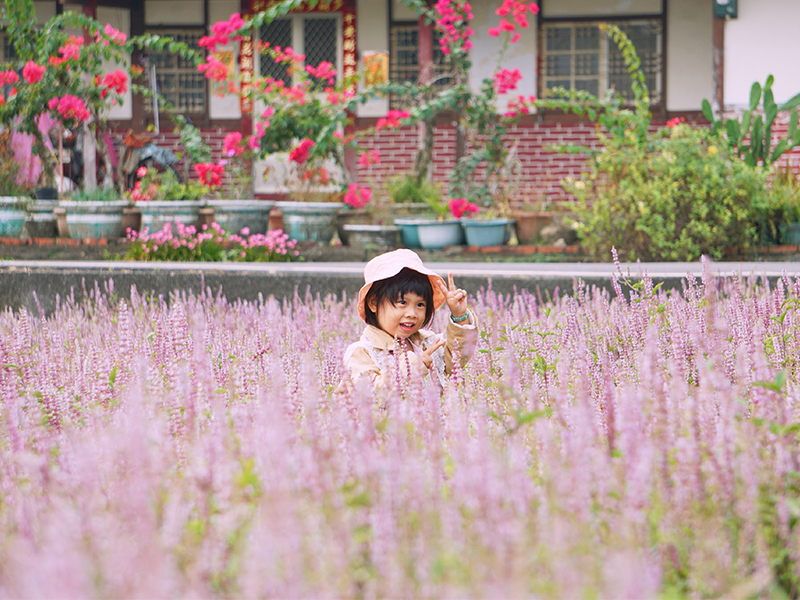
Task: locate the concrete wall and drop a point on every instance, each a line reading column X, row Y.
column 120, row 19
column 486, row 55
column 689, row 59
column 226, row 106
column 372, row 29
column 173, row 12
column 762, row 41
column 600, row 8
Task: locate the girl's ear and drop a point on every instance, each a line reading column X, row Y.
column 373, row 305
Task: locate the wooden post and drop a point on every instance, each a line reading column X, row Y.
column 718, row 68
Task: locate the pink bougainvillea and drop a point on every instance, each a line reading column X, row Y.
column 460, row 207
column 70, row 107
column 357, row 196
column 300, row 153
column 32, row 72
column 506, row 80
column 232, row 145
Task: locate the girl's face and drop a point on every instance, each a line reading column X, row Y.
column 402, row 319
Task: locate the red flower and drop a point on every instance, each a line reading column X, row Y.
column 210, row 175
column 300, row 154
column 232, row 144
column 461, row 206
column 8, row 77
column 356, row 196
column 117, row 81
column 32, row 72
column 70, row 107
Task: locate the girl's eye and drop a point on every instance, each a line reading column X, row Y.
column 420, row 305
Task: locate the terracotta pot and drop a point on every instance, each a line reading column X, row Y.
column 529, row 225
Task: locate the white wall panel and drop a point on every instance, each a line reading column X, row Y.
column 601, row 8
column 173, row 12
column 689, row 54
column 762, row 41
column 120, row 19
column 372, row 34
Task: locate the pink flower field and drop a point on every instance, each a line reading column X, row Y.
column 632, row 445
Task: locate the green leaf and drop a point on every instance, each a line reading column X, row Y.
column 792, row 124
column 780, row 148
column 755, row 95
column 775, row 385
column 770, row 113
column 792, row 103
column 707, row 112
column 745, row 129
column 112, row 377
column 732, row 129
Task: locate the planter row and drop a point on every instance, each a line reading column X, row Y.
column 303, row 221
column 314, row 221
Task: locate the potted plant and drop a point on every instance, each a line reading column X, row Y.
column 531, row 217
column 14, row 197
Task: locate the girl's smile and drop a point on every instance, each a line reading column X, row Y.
column 403, row 318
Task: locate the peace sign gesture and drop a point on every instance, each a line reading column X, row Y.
column 456, row 297
column 427, row 354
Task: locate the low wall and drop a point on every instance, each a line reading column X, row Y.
column 22, row 283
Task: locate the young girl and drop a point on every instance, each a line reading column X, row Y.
column 397, row 301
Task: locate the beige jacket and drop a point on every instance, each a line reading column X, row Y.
column 373, row 354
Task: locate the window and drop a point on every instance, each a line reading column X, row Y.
column 581, row 57
column 177, row 78
column 404, row 58
column 7, row 50
column 318, row 36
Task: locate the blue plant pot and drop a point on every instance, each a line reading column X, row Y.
column 157, row 213
column 94, row 220
column 234, row 215
column 310, row 221
column 486, row 233
column 435, row 235
column 12, row 216
column 409, row 231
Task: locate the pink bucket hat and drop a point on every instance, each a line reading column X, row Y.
column 390, row 264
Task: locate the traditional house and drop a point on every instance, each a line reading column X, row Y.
column 690, row 50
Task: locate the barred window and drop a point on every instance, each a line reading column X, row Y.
column 7, row 50
column 317, row 36
column 581, row 57
column 404, row 59
column 177, row 78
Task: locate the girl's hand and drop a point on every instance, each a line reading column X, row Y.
column 427, row 354
column 456, row 298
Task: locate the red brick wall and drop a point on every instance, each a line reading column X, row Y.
column 542, row 169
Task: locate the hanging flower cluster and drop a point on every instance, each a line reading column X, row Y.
column 70, row 108
column 33, row 73
column 453, row 17
column 513, row 15
column 357, row 196
column 506, row 80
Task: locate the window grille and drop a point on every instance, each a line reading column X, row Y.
column 7, row 50
column 177, row 78
column 581, row 57
column 404, row 59
column 317, row 37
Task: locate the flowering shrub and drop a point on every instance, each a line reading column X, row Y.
column 163, row 185
column 210, row 243
column 65, row 76
column 624, row 445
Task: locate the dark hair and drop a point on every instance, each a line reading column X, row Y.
column 395, row 288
